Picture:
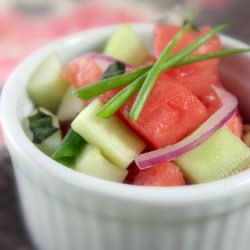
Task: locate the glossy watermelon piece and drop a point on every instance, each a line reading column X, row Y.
column 164, row 33
column 165, row 174
column 197, row 77
column 82, row 71
column 235, row 125
column 170, row 114
column 211, row 101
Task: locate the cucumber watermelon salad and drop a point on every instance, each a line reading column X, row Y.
column 128, row 115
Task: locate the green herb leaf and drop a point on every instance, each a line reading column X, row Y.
column 114, row 69
column 41, row 126
column 161, row 67
column 69, row 149
column 193, row 27
column 99, row 87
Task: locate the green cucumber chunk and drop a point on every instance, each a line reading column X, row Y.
column 70, row 106
column 50, row 144
column 222, row 155
column 93, row 163
column 46, row 87
column 125, row 45
column 116, row 141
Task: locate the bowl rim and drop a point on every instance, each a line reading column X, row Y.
column 159, row 195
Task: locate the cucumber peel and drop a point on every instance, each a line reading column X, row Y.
column 114, row 139
column 222, row 155
column 93, row 163
column 46, row 87
column 125, row 45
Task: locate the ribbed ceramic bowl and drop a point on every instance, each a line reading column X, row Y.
column 66, row 210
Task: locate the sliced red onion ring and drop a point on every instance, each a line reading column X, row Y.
column 214, row 122
column 104, row 61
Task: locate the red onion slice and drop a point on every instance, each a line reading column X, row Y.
column 214, row 122
column 104, row 61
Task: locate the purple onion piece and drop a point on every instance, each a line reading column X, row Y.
column 104, row 61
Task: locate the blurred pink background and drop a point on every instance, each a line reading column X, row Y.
column 26, row 25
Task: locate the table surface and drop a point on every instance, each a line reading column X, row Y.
column 12, row 232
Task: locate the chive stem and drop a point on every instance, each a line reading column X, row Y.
column 69, row 149
column 150, row 81
column 209, row 56
column 121, row 97
column 99, row 87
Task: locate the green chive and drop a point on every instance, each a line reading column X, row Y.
column 148, row 84
column 124, row 95
column 99, row 87
column 69, row 149
column 218, row 54
column 121, row 97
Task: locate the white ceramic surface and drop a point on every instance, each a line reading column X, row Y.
column 66, row 210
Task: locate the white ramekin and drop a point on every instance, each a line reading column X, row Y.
column 66, row 210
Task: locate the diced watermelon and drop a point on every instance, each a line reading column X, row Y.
column 165, row 174
column 82, row 71
column 170, row 114
column 197, row 77
column 164, row 33
column 211, row 101
column 235, row 125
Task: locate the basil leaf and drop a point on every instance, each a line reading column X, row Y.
column 114, row 69
column 69, row 149
column 41, row 126
column 194, row 26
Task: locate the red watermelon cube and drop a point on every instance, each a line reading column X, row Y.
column 171, row 113
column 164, row 174
column 197, row 77
column 82, row 71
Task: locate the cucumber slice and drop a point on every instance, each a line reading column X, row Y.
column 70, row 106
column 117, row 142
column 49, row 145
column 92, row 162
column 125, row 45
column 222, row 155
column 46, row 87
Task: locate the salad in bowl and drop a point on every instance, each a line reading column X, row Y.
column 160, row 118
